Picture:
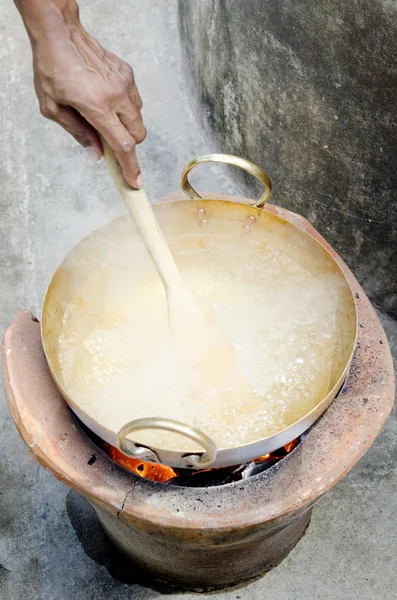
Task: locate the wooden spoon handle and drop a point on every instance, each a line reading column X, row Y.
column 141, row 211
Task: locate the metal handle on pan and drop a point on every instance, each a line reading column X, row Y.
column 197, row 460
column 228, row 159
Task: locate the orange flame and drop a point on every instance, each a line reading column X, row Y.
column 150, row 471
column 290, row 446
column 161, row 473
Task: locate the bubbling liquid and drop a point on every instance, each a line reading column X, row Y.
column 118, row 362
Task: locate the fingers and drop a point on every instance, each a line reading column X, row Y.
column 135, row 98
column 129, row 111
column 122, row 143
column 133, row 123
column 132, row 89
column 77, row 126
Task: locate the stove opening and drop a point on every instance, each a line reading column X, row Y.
column 189, row 478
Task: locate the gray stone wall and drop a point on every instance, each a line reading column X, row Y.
column 308, row 90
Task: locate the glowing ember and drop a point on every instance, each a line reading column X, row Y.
column 162, row 473
column 150, row 471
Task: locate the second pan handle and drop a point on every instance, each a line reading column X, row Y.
column 228, row 159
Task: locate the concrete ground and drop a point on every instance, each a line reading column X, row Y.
column 51, row 195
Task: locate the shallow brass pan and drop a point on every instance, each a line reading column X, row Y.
column 183, row 217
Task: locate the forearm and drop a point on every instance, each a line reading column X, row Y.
column 48, row 18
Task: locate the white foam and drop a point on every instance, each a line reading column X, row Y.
column 118, row 362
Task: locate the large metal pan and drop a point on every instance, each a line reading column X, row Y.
column 184, row 217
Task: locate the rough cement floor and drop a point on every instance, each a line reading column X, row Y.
column 51, row 195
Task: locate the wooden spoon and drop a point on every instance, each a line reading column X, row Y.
column 201, row 345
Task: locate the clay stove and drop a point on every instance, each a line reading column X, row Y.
column 211, row 537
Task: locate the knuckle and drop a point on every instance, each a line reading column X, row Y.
column 128, row 72
column 140, row 135
column 136, row 102
column 126, row 146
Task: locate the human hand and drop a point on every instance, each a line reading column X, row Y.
column 87, row 89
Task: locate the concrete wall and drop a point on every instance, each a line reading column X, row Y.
column 308, row 90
